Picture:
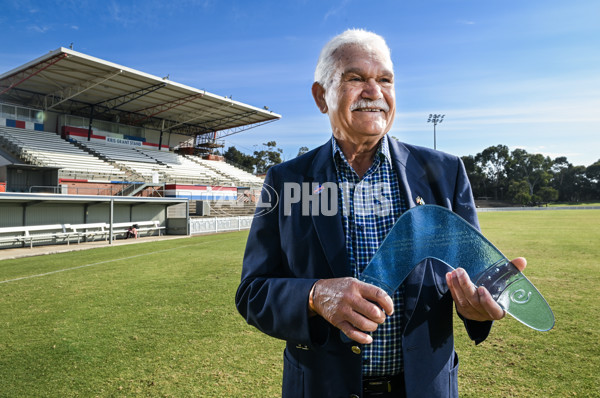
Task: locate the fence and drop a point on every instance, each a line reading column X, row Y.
column 220, row 224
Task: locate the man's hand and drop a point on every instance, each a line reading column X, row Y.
column 474, row 303
column 352, row 306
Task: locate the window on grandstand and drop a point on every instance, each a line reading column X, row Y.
column 8, row 112
column 19, row 113
column 22, row 114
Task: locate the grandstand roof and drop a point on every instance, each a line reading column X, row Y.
column 68, row 81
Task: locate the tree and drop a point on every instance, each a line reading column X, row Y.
column 260, row 161
column 547, row 194
column 574, row 184
column 493, row 161
column 531, row 168
column 267, row 157
column 476, row 176
column 239, row 159
column 302, row 150
column 559, row 170
column 519, row 192
column 592, row 172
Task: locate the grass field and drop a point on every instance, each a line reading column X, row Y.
column 158, row 320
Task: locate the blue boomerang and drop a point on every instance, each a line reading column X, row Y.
column 430, row 231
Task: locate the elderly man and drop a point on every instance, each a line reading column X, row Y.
column 302, row 259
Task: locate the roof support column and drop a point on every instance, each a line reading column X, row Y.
column 91, row 120
column 162, row 129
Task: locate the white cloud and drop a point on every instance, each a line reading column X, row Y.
column 334, row 11
column 38, row 28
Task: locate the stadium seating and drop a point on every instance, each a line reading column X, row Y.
column 238, row 176
column 168, row 167
column 142, row 167
column 179, row 169
column 49, row 150
column 95, row 160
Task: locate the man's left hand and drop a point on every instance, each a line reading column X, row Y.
column 476, row 303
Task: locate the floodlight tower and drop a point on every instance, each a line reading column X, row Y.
column 435, row 119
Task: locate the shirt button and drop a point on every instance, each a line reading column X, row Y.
column 356, row 349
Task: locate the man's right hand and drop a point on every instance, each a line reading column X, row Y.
column 352, row 306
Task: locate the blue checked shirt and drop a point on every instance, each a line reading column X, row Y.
column 370, row 207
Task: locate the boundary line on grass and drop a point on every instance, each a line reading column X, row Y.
column 107, row 261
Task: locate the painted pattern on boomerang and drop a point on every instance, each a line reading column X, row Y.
column 430, row 231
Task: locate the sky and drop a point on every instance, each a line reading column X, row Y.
column 525, row 74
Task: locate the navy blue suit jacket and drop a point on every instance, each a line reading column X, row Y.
column 287, row 252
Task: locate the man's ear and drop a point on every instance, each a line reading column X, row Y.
column 318, row 93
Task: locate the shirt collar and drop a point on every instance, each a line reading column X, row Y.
column 383, row 149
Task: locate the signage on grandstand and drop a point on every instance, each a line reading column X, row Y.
column 123, row 141
column 78, row 134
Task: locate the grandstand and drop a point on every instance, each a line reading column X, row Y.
column 93, row 127
column 97, row 120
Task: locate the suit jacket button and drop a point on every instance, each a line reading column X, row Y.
column 356, row 349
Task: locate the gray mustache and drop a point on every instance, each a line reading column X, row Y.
column 365, row 103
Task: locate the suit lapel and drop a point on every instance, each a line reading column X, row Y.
column 412, row 175
column 329, row 228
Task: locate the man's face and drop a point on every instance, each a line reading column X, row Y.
column 361, row 101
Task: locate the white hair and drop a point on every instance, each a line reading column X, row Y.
column 327, row 63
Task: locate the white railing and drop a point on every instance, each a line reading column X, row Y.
column 219, row 224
